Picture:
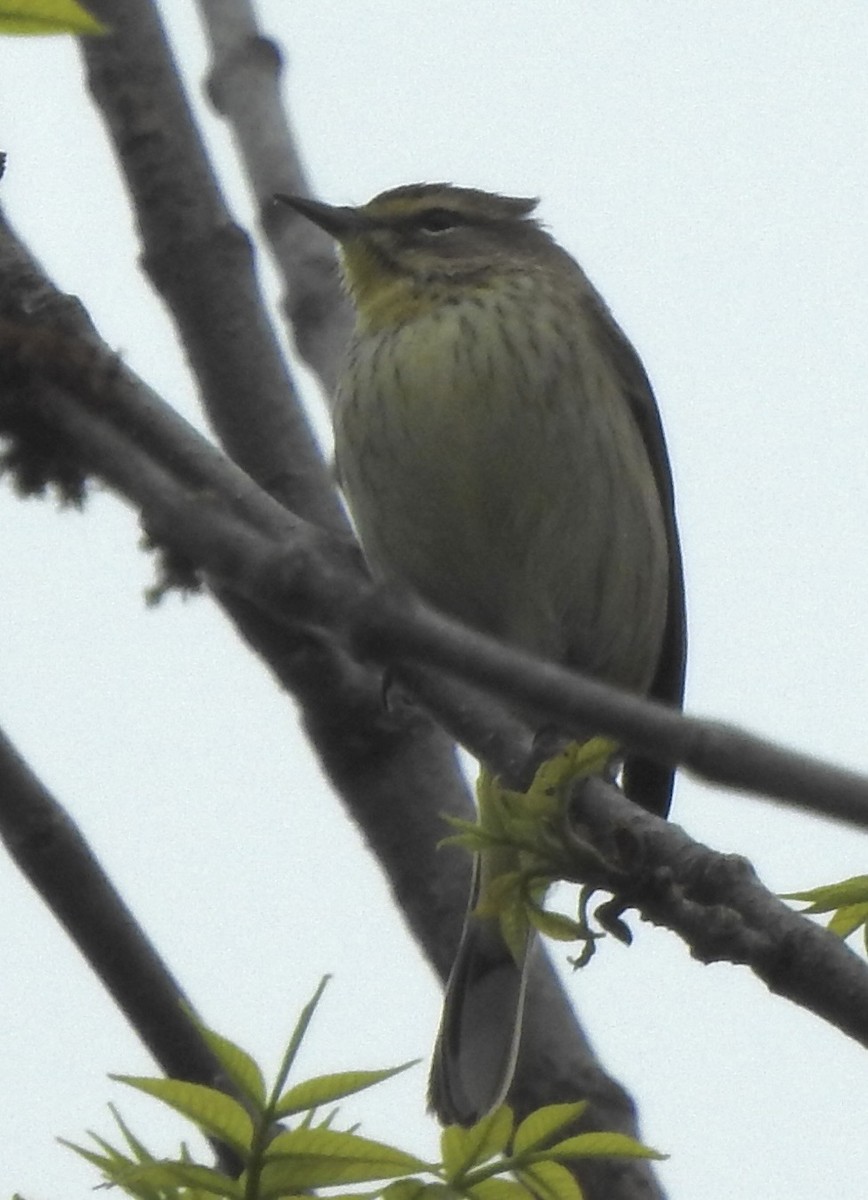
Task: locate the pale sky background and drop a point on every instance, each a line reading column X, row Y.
column 707, row 165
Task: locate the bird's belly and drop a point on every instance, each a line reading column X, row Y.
column 529, row 512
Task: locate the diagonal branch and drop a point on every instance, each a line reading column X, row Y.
column 311, row 577
column 201, row 262
column 713, row 901
column 49, row 848
column 716, row 904
column 244, row 86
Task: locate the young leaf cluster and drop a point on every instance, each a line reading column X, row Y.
column 495, row 1160
column 525, row 831
column 847, row 901
column 288, row 1152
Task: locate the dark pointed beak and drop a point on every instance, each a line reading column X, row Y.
column 340, row 221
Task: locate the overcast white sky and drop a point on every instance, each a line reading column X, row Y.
column 707, row 164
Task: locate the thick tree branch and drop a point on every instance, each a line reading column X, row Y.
column 310, row 582
column 201, row 262
column 311, row 577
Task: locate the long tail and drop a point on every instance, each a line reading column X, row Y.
column 477, row 1045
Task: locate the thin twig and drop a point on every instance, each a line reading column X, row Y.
column 244, row 86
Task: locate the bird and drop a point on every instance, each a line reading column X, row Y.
column 502, row 455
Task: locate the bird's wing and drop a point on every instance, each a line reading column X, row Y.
column 647, row 782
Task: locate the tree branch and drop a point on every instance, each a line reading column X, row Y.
column 396, row 627
column 311, row 577
column 716, row 904
column 49, row 848
column 201, row 262
column 306, row 578
column 244, row 86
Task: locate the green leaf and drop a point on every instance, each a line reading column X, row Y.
column 173, row 1175
column 299, row 1174
column 341, row 1145
column 139, row 1150
column 215, row 1113
column 324, row 1089
column 295, row 1041
column 410, row 1189
column 111, row 1153
column 498, row 1188
column 241, row 1069
column 102, row 1161
column 550, row 1181
column 848, row 918
column 453, row 1150
column 544, row 1123
column 577, row 760
column 491, row 1135
column 459, row 823
column 601, row 1145
column 555, row 925
column 46, row 16
column 372, row 1194
column 308, row 1158
column 502, row 890
column 470, row 836
column 465, row 1148
column 833, row 895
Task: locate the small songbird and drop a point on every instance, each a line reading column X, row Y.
column 502, row 454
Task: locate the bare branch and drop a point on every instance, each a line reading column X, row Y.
column 309, row 577
column 244, row 86
column 49, row 848
column 716, row 904
column 396, row 627
column 201, row 262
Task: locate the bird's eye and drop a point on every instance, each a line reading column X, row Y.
column 437, row 220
